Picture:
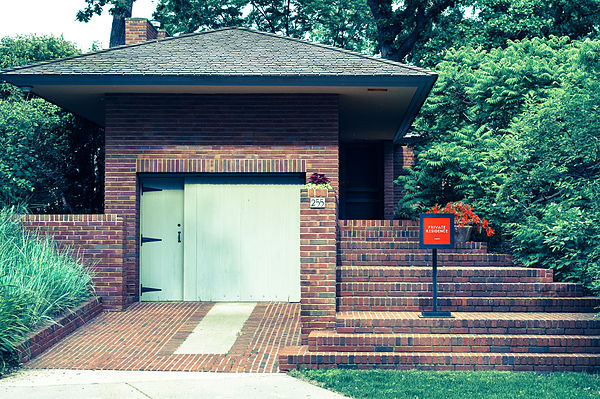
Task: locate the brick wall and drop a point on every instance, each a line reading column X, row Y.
column 389, row 175
column 98, row 239
column 403, row 159
column 406, row 157
column 139, row 30
column 230, row 133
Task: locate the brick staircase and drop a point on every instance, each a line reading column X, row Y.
column 505, row 317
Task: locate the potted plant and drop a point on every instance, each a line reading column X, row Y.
column 317, row 185
column 464, row 220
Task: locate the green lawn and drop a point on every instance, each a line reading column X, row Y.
column 413, row 384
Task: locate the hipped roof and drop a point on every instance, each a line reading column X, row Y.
column 227, row 58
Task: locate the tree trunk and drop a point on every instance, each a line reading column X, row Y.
column 117, row 31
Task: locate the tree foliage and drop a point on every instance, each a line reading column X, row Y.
column 342, row 23
column 553, row 181
column 493, row 23
column 24, row 50
column 403, row 24
column 120, row 9
column 50, row 159
column 503, row 20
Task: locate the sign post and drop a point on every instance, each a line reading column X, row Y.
column 436, row 231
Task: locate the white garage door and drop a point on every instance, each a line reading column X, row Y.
column 241, row 239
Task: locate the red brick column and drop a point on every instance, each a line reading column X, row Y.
column 139, row 30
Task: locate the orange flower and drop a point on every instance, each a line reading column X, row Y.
column 464, row 215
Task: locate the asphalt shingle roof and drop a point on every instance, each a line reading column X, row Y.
column 229, row 51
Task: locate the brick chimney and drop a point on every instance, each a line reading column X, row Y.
column 140, row 30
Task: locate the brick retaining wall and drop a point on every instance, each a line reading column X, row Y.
column 42, row 339
column 98, row 239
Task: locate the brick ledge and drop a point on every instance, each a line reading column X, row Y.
column 42, row 339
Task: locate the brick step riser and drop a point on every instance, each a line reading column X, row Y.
column 461, row 294
column 458, row 290
column 417, row 304
column 404, row 248
column 500, row 327
column 466, row 344
column 411, row 238
column 395, row 253
column 421, row 263
column 412, row 256
column 421, row 275
column 399, row 236
column 446, row 279
column 365, row 244
column 438, row 361
column 378, row 231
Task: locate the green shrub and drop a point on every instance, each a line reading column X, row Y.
column 514, row 132
column 37, row 282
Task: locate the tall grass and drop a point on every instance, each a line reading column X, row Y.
column 37, row 282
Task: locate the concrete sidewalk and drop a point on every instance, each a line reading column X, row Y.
column 63, row 384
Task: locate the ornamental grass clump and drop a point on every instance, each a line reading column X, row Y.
column 464, row 216
column 37, row 282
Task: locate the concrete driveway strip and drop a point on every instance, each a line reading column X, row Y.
column 62, row 384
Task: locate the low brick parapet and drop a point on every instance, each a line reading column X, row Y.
column 98, row 240
column 45, row 337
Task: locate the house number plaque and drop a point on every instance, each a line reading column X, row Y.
column 317, row 202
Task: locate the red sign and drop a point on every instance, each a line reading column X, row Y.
column 437, row 230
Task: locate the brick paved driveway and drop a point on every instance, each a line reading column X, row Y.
column 145, row 336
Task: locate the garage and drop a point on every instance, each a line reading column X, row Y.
column 220, row 237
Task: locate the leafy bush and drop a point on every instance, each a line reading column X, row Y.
column 514, row 133
column 50, row 159
column 37, row 282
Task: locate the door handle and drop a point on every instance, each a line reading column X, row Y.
column 179, row 236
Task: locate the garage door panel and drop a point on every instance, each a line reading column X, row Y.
column 162, row 261
column 190, row 238
column 219, row 252
column 246, row 239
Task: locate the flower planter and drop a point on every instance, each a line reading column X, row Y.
column 317, row 192
column 462, row 234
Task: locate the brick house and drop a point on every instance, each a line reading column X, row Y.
column 210, row 139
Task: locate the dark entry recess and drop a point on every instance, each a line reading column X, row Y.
column 361, row 181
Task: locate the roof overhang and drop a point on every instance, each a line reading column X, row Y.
column 371, row 107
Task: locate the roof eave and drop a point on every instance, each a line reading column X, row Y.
column 21, row 79
column 415, row 106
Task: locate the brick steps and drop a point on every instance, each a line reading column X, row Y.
column 394, row 289
column 506, row 317
column 412, row 258
column 445, row 274
column 300, row 356
column 471, row 304
column 469, row 323
column 326, row 341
